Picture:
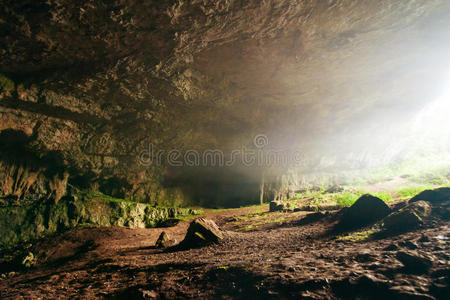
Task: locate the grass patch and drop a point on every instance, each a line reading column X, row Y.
column 265, row 221
column 250, row 227
column 198, row 213
column 220, row 209
column 358, row 236
column 410, row 192
column 346, row 199
column 386, row 197
column 257, row 215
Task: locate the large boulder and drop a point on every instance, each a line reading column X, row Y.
column 366, row 210
column 202, row 232
column 433, row 196
column 407, row 218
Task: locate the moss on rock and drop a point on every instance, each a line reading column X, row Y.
column 25, row 223
column 6, row 84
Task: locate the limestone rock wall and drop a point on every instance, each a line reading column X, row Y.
column 25, row 223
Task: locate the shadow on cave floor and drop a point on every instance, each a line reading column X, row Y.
column 232, row 282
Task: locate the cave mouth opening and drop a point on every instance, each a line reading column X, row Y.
column 224, row 149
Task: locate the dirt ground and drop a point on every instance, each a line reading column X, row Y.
column 266, row 255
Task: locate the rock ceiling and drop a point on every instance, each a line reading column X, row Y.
column 99, row 80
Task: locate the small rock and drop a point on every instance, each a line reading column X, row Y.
column 414, row 262
column 164, row 241
column 149, row 294
column 391, row 247
column 202, row 232
column 365, row 257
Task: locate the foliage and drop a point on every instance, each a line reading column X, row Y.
column 6, row 84
column 431, row 168
column 261, row 220
column 346, row 199
column 358, row 236
column 386, row 197
column 409, row 192
column 29, row 260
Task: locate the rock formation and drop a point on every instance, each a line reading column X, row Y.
column 87, row 88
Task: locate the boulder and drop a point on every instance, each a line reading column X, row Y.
column 366, row 210
column 433, row 196
column 407, row 218
column 202, row 232
column 164, row 241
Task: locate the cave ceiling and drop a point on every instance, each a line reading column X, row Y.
column 105, row 78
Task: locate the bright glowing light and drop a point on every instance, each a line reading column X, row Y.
column 433, row 122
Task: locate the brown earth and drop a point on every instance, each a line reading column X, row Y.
column 278, row 256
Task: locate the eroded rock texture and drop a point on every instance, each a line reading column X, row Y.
column 86, row 86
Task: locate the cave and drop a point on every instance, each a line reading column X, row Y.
column 224, row 149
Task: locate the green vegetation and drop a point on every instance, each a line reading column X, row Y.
column 429, row 168
column 260, row 206
column 90, row 194
column 386, row 197
column 342, row 199
column 258, row 215
column 358, row 236
column 346, row 199
column 410, row 192
column 6, row 84
column 259, row 220
column 197, row 213
column 410, row 185
column 29, row 260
